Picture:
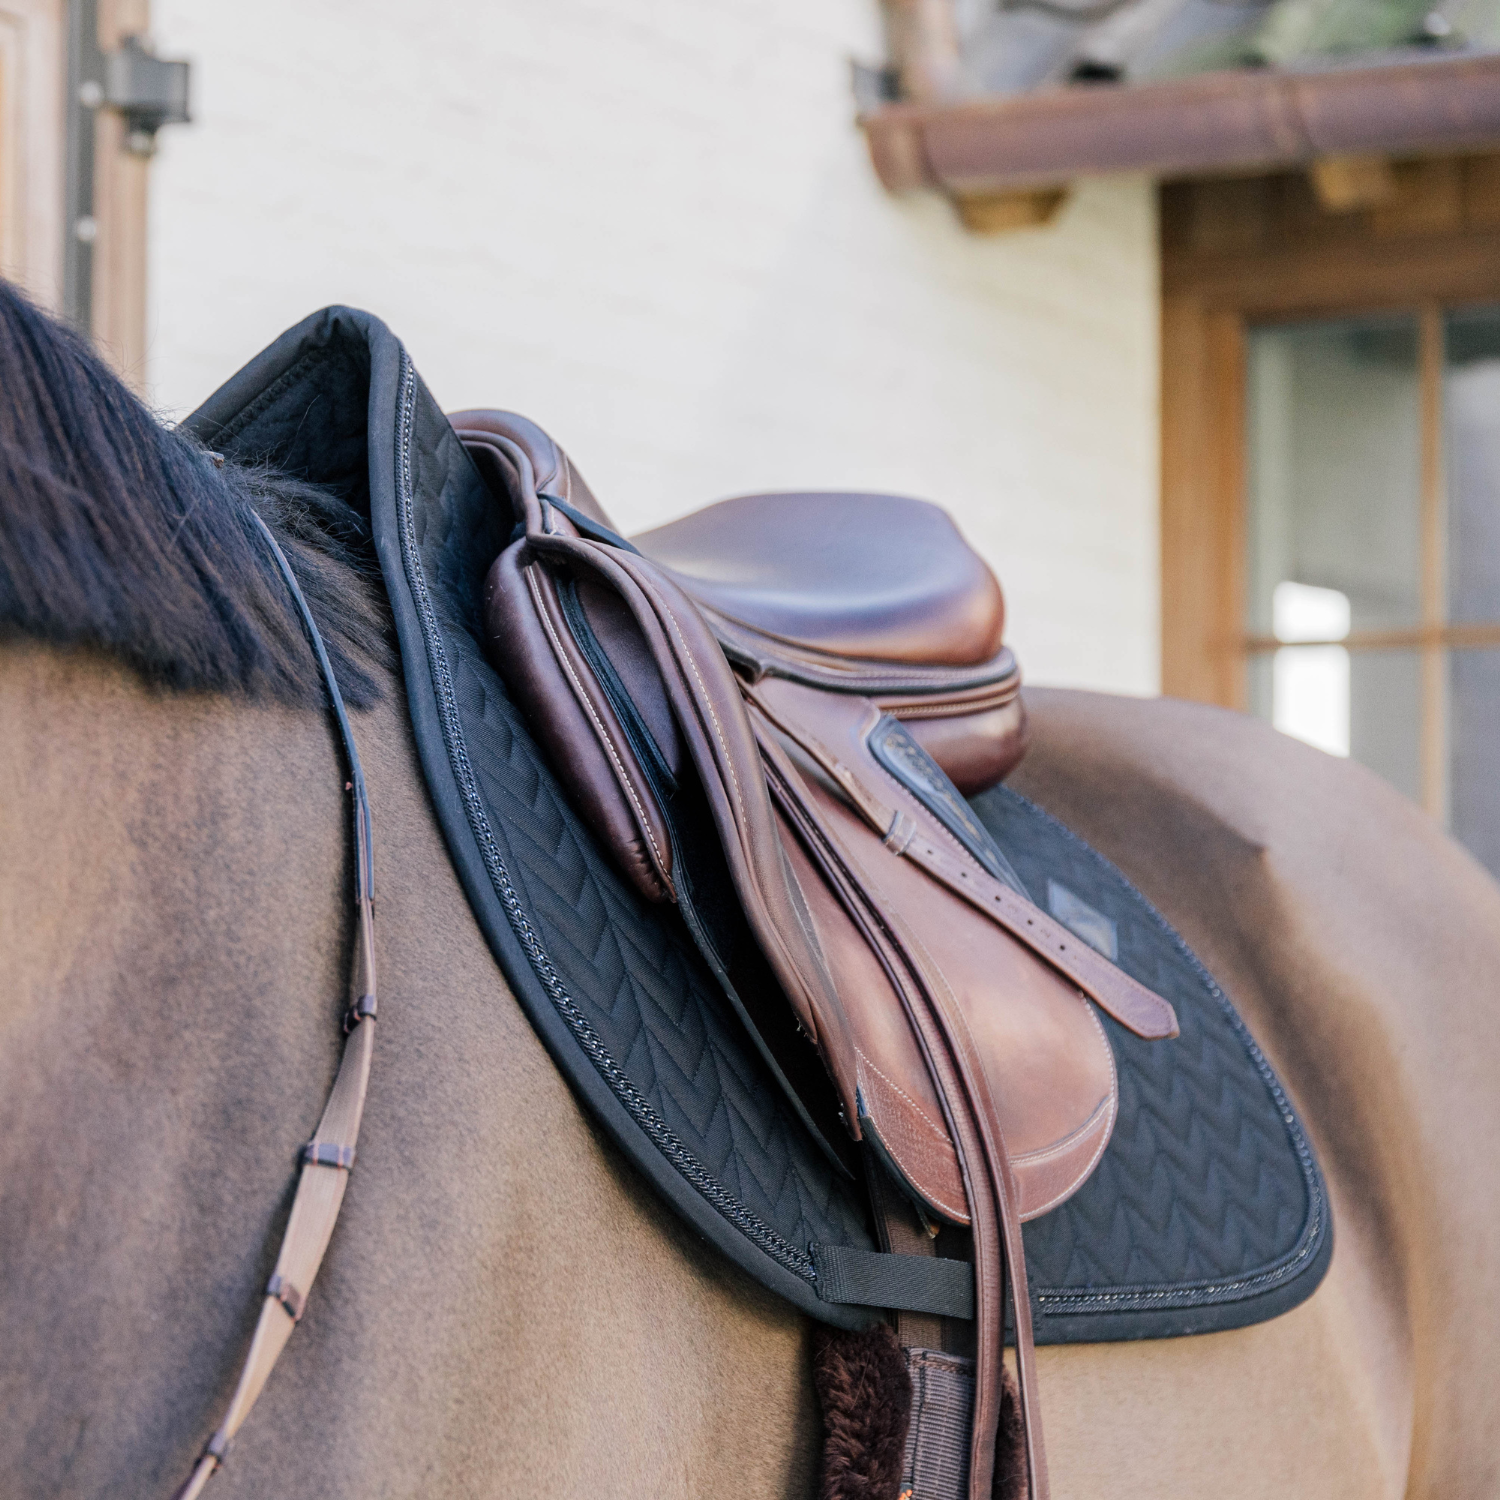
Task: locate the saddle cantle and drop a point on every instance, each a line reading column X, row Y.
column 846, row 873
column 877, row 595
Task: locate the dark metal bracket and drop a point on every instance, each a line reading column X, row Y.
column 148, row 91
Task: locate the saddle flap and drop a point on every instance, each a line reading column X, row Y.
column 643, row 717
column 895, row 934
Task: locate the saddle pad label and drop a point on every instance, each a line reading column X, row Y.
column 1082, row 919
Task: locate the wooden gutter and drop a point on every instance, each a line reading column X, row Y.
column 1205, row 124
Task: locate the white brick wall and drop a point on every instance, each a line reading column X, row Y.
column 653, row 228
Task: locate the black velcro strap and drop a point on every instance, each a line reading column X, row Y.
column 326, row 1154
column 912, row 1283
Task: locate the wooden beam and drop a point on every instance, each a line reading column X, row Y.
column 1346, row 183
column 995, row 213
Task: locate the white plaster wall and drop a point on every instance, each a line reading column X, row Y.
column 653, row 227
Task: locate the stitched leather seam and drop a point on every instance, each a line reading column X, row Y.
column 599, row 726
column 896, row 1088
column 666, row 609
column 959, row 1213
column 1044, row 1154
column 961, row 709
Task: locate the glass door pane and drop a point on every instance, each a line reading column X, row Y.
column 1471, row 399
column 1334, row 449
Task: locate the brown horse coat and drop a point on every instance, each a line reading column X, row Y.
column 504, row 1308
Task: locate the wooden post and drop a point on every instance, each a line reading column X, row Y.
column 922, row 41
column 120, row 183
column 1434, row 568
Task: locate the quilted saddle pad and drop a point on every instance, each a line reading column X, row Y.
column 1207, row 1211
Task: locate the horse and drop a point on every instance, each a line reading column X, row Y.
column 505, row 1305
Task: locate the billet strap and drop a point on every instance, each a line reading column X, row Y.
column 999, row 1270
column 1125, row 998
column 329, row 1157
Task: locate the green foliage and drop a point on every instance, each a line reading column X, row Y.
column 1297, row 28
column 1290, row 31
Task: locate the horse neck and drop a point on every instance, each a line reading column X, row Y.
column 173, row 884
column 173, row 948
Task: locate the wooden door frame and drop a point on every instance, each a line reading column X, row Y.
column 33, row 133
column 33, row 151
column 1240, row 251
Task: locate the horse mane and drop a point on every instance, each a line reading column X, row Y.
column 120, row 534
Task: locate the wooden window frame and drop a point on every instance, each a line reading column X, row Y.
column 1240, row 251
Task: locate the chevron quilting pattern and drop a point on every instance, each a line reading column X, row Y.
column 1207, row 1193
column 642, row 985
column 1208, row 1182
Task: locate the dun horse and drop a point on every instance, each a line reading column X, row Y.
column 505, row 1307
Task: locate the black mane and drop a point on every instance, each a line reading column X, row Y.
column 120, row 534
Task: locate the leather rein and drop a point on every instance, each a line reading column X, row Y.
column 327, row 1159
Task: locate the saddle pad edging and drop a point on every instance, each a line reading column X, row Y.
column 798, row 1276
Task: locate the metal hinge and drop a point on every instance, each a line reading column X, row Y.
column 148, row 90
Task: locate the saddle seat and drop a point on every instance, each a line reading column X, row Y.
column 872, row 594
column 878, row 578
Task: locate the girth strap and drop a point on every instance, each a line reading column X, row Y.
column 328, row 1158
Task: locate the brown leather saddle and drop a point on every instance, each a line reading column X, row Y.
column 767, row 712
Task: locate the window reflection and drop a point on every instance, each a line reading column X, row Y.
column 1310, row 683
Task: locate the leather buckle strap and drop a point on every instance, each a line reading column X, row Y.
column 362, row 1009
column 315, row 1205
column 289, row 1296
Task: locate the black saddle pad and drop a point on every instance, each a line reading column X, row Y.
column 1207, row 1210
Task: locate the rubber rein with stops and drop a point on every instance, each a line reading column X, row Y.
column 328, row 1158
